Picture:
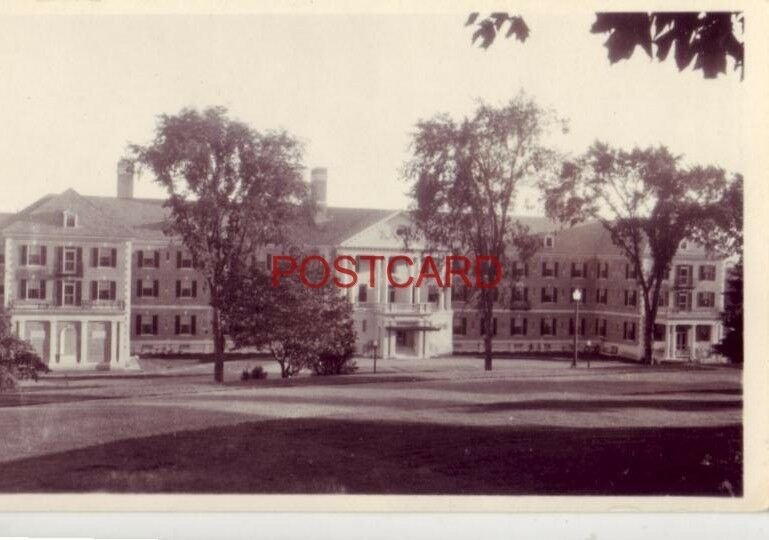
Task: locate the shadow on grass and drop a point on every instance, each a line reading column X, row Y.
column 596, row 405
column 334, row 456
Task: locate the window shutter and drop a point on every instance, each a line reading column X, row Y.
column 195, row 289
column 156, row 288
column 59, row 293
column 23, row 289
column 43, row 253
column 556, row 269
column 78, row 292
column 177, row 323
column 154, row 325
column 555, row 326
column 138, row 325
column 178, row 259
column 542, row 327
column 42, row 289
column 525, row 325
column 194, row 325
column 555, row 294
column 140, row 258
column 178, row 288
column 94, row 257
column 138, row 288
column 113, row 258
column 157, row 259
column 23, row 256
column 525, row 294
column 59, row 259
column 112, row 290
column 584, row 269
column 94, row 290
column 526, row 269
column 80, row 261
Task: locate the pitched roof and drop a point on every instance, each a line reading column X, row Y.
column 44, row 217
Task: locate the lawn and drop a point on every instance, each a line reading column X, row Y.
column 443, row 427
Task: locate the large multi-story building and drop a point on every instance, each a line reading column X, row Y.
column 93, row 281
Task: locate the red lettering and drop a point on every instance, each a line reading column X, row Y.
column 391, row 265
column 277, row 270
column 371, row 267
column 481, row 269
column 346, row 271
column 303, row 272
column 431, row 272
column 460, row 273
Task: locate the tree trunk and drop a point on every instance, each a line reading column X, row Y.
column 488, row 313
column 218, row 347
column 648, row 338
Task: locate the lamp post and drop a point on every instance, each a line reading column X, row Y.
column 577, row 297
column 375, row 346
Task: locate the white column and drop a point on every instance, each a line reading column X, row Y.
column 21, row 329
column 113, row 344
column 418, row 343
column 83, row 342
column 53, row 342
column 385, row 299
column 414, row 274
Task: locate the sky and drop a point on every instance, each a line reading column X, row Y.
column 76, row 90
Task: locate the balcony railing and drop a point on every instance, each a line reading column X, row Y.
column 399, row 307
column 520, row 305
column 89, row 305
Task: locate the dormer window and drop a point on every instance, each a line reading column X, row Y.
column 70, row 220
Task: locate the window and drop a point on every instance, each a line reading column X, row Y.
column 149, row 259
column 183, row 260
column 684, row 245
column 32, row 289
column 146, row 325
column 390, row 294
column 683, row 300
column 659, row 332
column 547, row 327
column 459, row 292
column 602, row 296
column 493, row 327
column 628, row 331
column 519, row 293
column 103, row 290
column 460, row 326
column 600, row 327
column 631, row 297
column 706, row 299
column 518, row 326
column 70, row 220
column 582, row 290
column 433, row 294
column 707, row 272
column 69, row 262
column 602, row 270
column 69, row 294
column 186, row 289
column 581, row 327
column 666, row 274
column 683, row 275
column 663, row 300
column 702, row 332
column 363, row 293
column 549, row 241
column 578, row 270
column 630, row 271
column 363, row 326
column 549, row 269
column 185, row 325
column 520, row 270
column 104, row 257
column 149, row 288
column 33, row 255
column 549, row 295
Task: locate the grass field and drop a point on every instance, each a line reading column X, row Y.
column 438, row 427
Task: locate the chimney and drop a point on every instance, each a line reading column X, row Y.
column 318, row 184
column 125, row 179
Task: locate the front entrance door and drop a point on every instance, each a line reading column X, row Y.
column 682, row 341
column 68, row 344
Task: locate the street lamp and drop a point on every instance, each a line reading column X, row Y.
column 375, row 346
column 577, row 297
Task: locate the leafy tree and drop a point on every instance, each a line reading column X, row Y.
column 465, row 178
column 707, row 38
column 302, row 327
column 231, row 191
column 18, row 360
column 647, row 202
column 731, row 345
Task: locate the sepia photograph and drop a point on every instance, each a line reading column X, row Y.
column 427, row 252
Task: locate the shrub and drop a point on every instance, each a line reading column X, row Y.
column 18, row 360
column 245, row 375
column 258, row 373
column 335, row 364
